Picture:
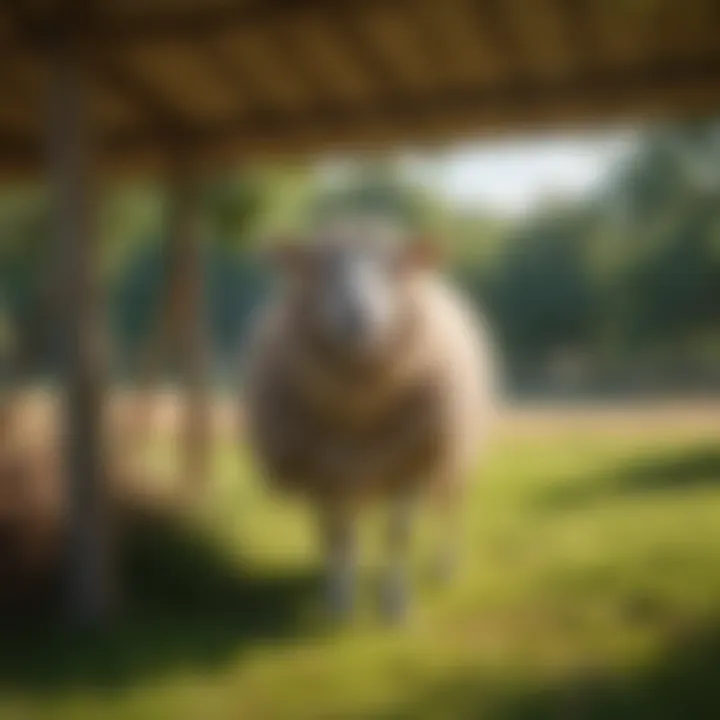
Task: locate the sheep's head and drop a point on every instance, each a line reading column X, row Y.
column 348, row 286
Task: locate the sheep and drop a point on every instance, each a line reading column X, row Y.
column 367, row 377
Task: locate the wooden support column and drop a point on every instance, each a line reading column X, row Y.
column 188, row 319
column 89, row 591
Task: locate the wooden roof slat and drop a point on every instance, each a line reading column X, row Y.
column 331, row 61
column 172, row 73
column 494, row 31
column 579, row 33
column 20, row 108
column 352, row 30
column 470, row 57
column 538, row 28
column 153, row 106
column 113, row 111
column 398, row 36
column 607, row 95
column 703, row 17
column 625, row 31
column 209, row 20
column 687, row 29
column 262, row 55
column 239, row 85
column 291, row 53
column 257, row 97
column 431, row 54
column 283, row 75
column 28, row 79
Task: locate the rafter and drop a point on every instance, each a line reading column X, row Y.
column 293, row 58
column 435, row 58
column 673, row 90
column 496, row 35
column 148, row 101
column 577, row 20
column 381, row 75
column 294, row 98
column 128, row 27
column 239, row 81
column 539, row 36
column 598, row 97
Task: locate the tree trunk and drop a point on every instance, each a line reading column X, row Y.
column 187, row 318
column 179, row 339
column 89, row 590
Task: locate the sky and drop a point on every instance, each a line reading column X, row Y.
column 511, row 177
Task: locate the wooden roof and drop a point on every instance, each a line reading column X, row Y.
column 253, row 78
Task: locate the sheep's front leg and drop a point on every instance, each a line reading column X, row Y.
column 339, row 541
column 394, row 586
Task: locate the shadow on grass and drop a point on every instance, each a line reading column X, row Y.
column 680, row 683
column 187, row 607
column 661, row 472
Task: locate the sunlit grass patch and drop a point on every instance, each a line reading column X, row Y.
column 590, row 588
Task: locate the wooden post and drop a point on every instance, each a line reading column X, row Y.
column 188, row 319
column 89, row 593
column 8, row 363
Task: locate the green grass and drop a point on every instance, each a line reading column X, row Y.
column 590, row 589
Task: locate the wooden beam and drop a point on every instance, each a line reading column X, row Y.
column 496, row 35
column 578, row 22
column 158, row 112
column 323, row 68
column 433, row 57
column 294, row 60
column 539, row 35
column 381, row 76
column 602, row 97
column 89, row 590
column 453, row 27
column 239, row 82
column 147, row 26
column 208, row 22
column 662, row 92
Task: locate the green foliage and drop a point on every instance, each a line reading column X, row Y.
column 131, row 214
column 26, row 261
column 631, row 272
column 542, row 292
column 372, row 189
column 232, row 207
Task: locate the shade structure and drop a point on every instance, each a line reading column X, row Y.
column 238, row 79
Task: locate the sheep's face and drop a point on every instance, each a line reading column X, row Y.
column 351, row 295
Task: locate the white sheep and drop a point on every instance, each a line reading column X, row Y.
column 367, row 377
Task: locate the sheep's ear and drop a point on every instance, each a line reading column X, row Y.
column 422, row 253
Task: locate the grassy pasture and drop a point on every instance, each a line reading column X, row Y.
column 590, row 589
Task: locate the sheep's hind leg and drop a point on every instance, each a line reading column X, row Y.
column 394, row 589
column 338, row 530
